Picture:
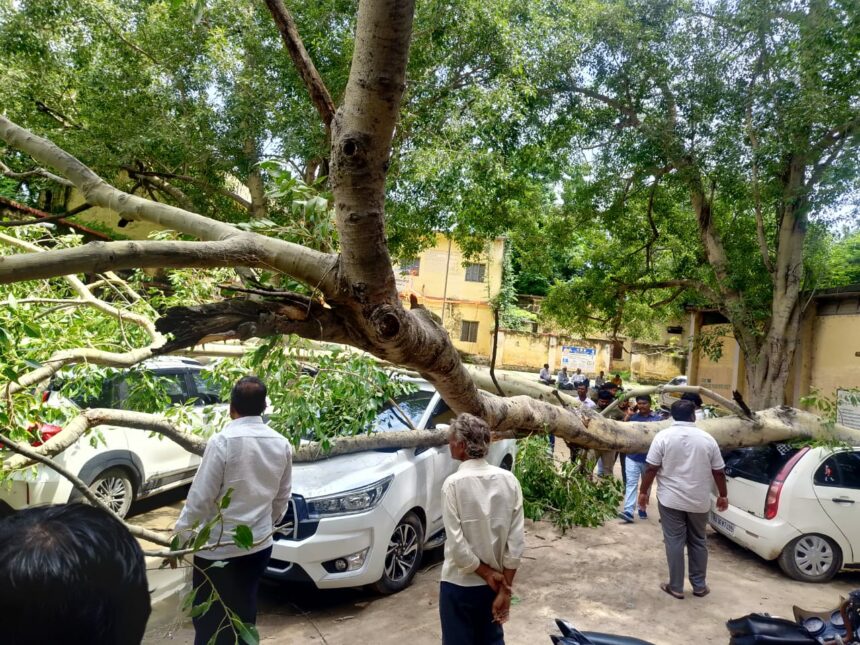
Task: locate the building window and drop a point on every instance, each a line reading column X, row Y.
column 617, row 350
column 468, row 331
column 475, row 272
column 535, row 328
column 410, row 266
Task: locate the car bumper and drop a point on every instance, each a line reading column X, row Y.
column 335, row 537
column 766, row 538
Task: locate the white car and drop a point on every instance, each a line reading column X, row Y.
column 800, row 506
column 367, row 518
column 130, row 464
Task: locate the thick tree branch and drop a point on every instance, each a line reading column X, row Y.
column 97, row 257
column 304, row 65
column 312, row 267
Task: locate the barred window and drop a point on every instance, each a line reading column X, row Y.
column 475, row 272
column 469, row 331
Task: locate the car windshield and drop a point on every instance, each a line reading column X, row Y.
column 760, row 464
column 391, row 418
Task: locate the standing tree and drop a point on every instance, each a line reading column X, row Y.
column 722, row 138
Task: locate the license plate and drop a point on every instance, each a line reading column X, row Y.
column 718, row 521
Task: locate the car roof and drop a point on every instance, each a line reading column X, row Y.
column 170, row 362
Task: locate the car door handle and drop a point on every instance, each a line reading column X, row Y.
column 842, row 500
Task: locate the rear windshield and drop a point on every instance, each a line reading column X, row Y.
column 760, row 464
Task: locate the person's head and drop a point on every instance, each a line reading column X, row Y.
column 601, row 372
column 579, row 370
column 692, row 397
column 71, row 574
column 612, row 387
column 546, row 366
column 248, row 397
column 643, row 404
column 683, row 410
column 564, row 369
column 582, row 391
column 618, row 376
column 468, row 437
column 604, row 398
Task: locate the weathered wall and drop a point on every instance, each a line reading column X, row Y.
column 834, row 354
column 656, row 365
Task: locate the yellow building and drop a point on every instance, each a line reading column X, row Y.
column 827, row 359
column 456, row 290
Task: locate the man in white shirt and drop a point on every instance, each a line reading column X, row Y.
column 563, row 379
column 482, row 508
column 684, row 459
column 585, row 401
column 254, row 461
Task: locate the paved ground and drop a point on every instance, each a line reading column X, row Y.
column 603, row 579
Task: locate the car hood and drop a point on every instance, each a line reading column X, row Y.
column 343, row 473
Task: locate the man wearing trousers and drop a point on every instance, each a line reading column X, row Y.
column 684, row 459
column 482, row 508
column 256, row 462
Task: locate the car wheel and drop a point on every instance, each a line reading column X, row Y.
column 114, row 488
column 403, row 557
column 507, row 463
column 811, row 558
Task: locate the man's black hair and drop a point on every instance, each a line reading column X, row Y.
column 604, row 394
column 692, row 396
column 248, row 398
column 72, row 575
column 683, row 410
column 643, row 397
column 546, row 365
column 611, row 385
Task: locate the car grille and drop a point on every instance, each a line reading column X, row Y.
column 296, row 523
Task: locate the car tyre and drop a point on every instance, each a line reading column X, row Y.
column 811, row 558
column 403, row 557
column 114, row 487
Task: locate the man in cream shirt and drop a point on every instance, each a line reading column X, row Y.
column 482, row 507
column 254, row 461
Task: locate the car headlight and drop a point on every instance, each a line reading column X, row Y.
column 357, row 500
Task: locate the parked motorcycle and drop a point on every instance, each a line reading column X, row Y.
column 572, row 636
column 839, row 626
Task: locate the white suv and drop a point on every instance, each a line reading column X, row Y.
column 366, row 518
column 130, row 464
column 801, row 506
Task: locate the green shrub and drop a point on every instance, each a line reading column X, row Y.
column 562, row 492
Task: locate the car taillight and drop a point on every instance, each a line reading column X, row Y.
column 771, row 503
column 45, row 432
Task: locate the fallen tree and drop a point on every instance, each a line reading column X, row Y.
column 355, row 299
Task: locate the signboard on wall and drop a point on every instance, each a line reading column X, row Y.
column 581, row 357
column 848, row 408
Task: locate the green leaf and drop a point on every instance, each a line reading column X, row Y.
column 202, row 608
column 202, row 537
column 243, row 537
column 225, row 501
column 247, row 632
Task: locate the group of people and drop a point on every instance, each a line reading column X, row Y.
column 565, row 381
column 91, row 570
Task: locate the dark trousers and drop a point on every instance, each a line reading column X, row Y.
column 623, row 458
column 236, row 584
column 467, row 615
column 681, row 529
